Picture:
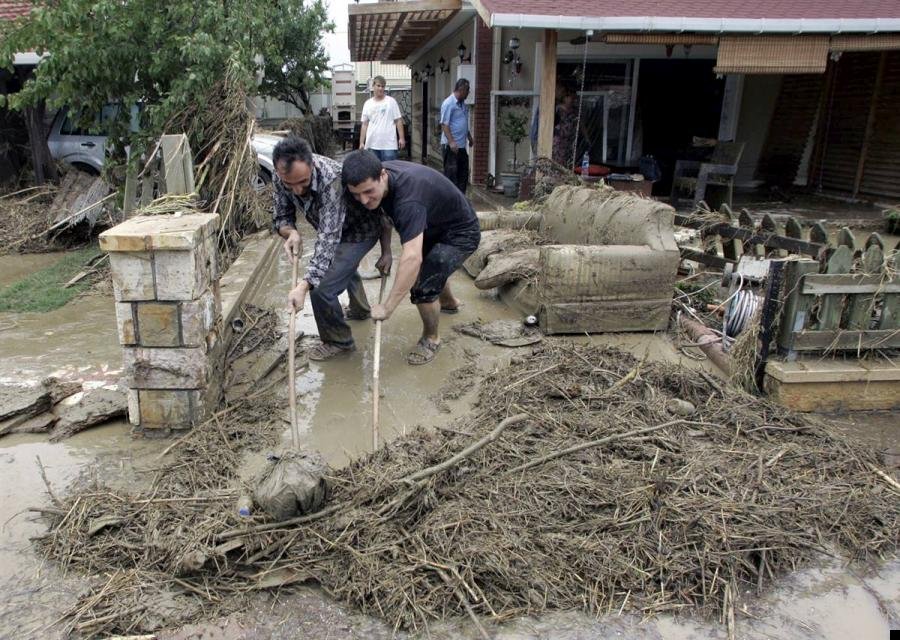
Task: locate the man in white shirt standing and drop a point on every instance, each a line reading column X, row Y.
column 382, row 124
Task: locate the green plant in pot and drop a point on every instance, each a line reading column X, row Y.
column 513, row 127
column 892, row 220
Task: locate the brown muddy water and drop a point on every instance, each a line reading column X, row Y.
column 830, row 601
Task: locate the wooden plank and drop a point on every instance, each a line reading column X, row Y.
column 548, row 95
column 818, row 234
column 830, row 312
column 849, row 283
column 392, row 38
column 890, row 307
column 874, row 238
column 834, row 396
column 380, row 8
column 768, row 315
column 819, row 370
column 130, row 191
column 792, row 228
column 846, row 238
column 860, row 306
column 795, row 312
column 750, row 237
column 846, row 340
column 708, row 259
column 172, row 168
column 770, row 226
column 733, row 248
column 147, row 190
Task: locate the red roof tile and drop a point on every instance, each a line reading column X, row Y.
column 730, row 9
column 13, row 10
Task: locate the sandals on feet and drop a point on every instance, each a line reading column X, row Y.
column 450, row 309
column 423, row 352
column 327, row 350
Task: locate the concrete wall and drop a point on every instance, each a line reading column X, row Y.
column 757, row 106
column 271, row 109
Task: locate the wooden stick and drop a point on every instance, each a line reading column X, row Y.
column 588, row 445
column 376, row 370
column 893, row 483
column 465, row 453
column 292, row 389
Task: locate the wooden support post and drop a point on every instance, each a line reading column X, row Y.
column 548, row 95
column 870, row 124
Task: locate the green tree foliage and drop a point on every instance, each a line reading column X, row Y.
column 166, row 55
column 297, row 65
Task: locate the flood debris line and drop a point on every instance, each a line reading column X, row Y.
column 146, row 550
column 575, row 482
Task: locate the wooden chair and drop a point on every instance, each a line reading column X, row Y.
column 692, row 177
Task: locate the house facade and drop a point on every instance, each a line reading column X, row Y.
column 812, row 91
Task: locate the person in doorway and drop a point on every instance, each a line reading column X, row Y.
column 438, row 230
column 455, row 134
column 382, row 124
column 565, row 128
column 311, row 184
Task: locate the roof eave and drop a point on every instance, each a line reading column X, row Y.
column 701, row 25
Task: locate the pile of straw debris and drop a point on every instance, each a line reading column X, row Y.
column 581, row 479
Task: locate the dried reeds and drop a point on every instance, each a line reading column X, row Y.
column 569, row 485
column 220, row 130
column 24, row 216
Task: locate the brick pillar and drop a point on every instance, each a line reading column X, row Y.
column 168, row 313
column 483, row 55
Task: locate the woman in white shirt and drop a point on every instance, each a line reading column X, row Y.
column 382, row 124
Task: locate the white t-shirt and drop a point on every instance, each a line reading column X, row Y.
column 381, row 114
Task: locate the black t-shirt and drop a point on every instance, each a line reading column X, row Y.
column 422, row 200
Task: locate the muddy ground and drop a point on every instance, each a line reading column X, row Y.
column 829, row 601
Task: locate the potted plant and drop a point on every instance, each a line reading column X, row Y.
column 892, row 220
column 514, row 127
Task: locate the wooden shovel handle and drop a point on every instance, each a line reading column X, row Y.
column 292, row 388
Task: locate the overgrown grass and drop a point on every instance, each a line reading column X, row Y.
column 43, row 290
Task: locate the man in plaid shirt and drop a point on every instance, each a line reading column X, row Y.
column 311, row 184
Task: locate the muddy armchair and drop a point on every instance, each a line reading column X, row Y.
column 606, row 261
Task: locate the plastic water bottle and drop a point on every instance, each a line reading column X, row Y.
column 585, row 164
column 244, row 506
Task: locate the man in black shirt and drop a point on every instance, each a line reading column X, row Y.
column 438, row 230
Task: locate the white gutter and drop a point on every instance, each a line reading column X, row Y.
column 703, row 25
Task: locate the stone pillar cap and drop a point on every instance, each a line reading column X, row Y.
column 167, row 232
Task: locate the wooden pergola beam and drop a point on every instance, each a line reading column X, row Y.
column 377, row 8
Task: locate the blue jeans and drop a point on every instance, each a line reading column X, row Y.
column 341, row 275
column 385, row 154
